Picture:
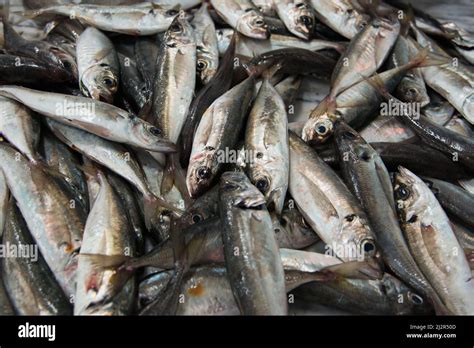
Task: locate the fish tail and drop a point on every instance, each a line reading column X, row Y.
column 102, row 262
column 173, row 175
column 357, row 270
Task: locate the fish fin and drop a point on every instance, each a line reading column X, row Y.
column 167, row 182
column 173, row 175
column 357, row 270
column 104, row 262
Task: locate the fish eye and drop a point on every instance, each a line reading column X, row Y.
column 108, row 82
column 350, row 218
column 412, row 92
column 376, row 24
column 201, row 65
column 416, row 299
column 259, row 155
column 259, row 22
column 306, row 20
column 171, row 12
column 368, row 247
column 403, row 192
column 203, row 173
column 262, row 185
column 321, row 129
column 155, row 131
column 365, row 156
column 197, row 218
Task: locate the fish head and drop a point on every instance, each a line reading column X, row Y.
column 350, row 142
column 355, row 19
column 100, row 82
column 235, row 187
column 202, row 170
column 180, row 32
column 356, row 227
column 266, row 177
column 411, row 91
column 252, row 24
column 318, row 129
column 395, row 289
column 409, row 194
column 151, row 136
column 302, row 19
column 206, row 65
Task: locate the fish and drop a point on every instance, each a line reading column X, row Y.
column 288, row 90
column 175, row 78
column 243, row 16
column 20, row 127
column 146, row 51
column 369, row 180
column 388, row 296
column 207, row 55
column 386, row 129
column 266, row 140
column 433, row 242
column 216, row 134
column 454, row 199
column 41, row 202
column 218, row 85
column 252, row 259
column 341, row 16
column 118, row 159
column 327, row 205
column 249, row 47
column 366, row 52
column 107, row 232
column 30, row 284
column 440, row 112
column 16, row 69
column 140, row 19
column 132, row 84
column 297, row 15
column 40, row 50
column 4, row 199
column 98, row 65
column 100, row 118
column 266, row 7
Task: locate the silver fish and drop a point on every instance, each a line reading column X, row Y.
column 99, row 118
column 98, row 65
column 433, row 243
column 206, row 44
column 297, row 15
column 266, row 138
column 243, row 16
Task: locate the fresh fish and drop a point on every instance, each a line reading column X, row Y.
column 249, row 47
column 218, row 85
column 386, row 129
column 102, row 119
column 175, row 79
column 4, row 198
column 297, row 15
column 251, row 252
column 266, row 7
column 288, row 89
column 132, row 84
column 41, row 50
column 19, row 126
column 365, row 54
column 388, row 296
column 341, row 16
column 327, row 205
column 266, row 140
column 140, row 19
column 368, row 178
column 454, row 200
column 107, row 232
column 216, row 135
column 42, row 202
column 207, row 54
column 433, row 243
column 28, row 280
column 243, row 16
column 30, row 71
column 439, row 112
column 146, row 53
column 98, row 65
column 459, row 125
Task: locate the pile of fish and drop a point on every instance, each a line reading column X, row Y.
column 160, row 158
